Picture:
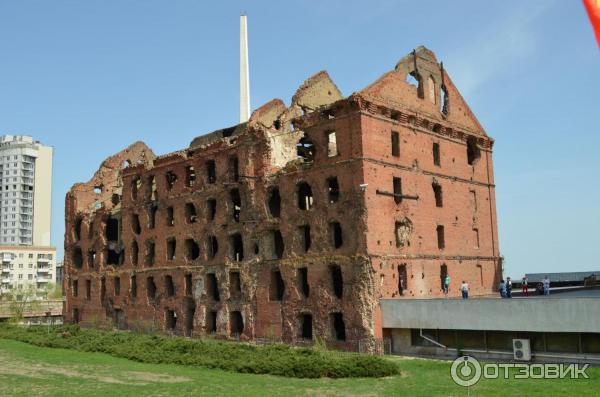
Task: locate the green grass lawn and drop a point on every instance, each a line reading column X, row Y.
column 27, row 370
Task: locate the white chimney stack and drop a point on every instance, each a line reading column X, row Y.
column 244, row 75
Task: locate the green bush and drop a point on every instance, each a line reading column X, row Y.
column 276, row 359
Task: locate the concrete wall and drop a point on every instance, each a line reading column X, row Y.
column 532, row 314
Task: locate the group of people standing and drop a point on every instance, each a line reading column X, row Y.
column 505, row 287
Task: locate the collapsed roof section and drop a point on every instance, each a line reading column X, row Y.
column 418, row 84
column 101, row 189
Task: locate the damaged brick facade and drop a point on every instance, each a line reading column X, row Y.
column 292, row 225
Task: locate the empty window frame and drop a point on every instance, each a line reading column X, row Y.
column 212, row 287
column 274, row 203
column 91, row 258
column 152, row 210
column 444, row 100
column 234, row 168
column 236, row 245
column 306, row 331
column 211, row 322
column 169, row 285
column 189, row 309
column 170, row 179
column 443, row 274
column 335, row 229
column 88, row 289
column 170, row 216
column 112, row 229
column 277, row 286
column 211, row 209
column 337, row 281
column 117, row 285
column 190, row 213
column 102, row 290
column 77, row 228
column 170, row 319
column 437, row 192
column 190, row 176
column 305, row 196
column 332, row 149
column 236, row 323
column 395, row 144
column 236, row 204
column 192, row 249
column 150, row 253
column 402, row 279
column 305, row 239
column 436, row 154
column 333, row 189
column 415, row 79
column 171, row 248
column 213, row 246
column 150, row 288
column 278, row 244
column 338, row 327
column 211, row 171
column 75, row 287
column 473, row 151
column 77, row 257
column 235, row 285
column 304, row 287
column 136, row 183
column 188, row 284
column 133, row 286
column 305, row 150
column 112, row 255
column 440, row 237
column 397, row 183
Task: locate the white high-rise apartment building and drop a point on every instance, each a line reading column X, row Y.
column 25, row 212
column 25, row 186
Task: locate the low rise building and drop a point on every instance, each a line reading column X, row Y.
column 22, row 266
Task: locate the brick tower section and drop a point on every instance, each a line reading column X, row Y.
column 293, row 225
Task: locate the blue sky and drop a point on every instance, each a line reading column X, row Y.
column 90, row 77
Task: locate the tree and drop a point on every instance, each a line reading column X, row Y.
column 21, row 301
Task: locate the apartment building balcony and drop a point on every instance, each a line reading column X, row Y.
column 6, row 257
column 43, row 260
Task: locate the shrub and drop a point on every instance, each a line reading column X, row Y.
column 275, row 359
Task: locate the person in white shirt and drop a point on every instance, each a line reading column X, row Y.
column 546, row 283
column 464, row 288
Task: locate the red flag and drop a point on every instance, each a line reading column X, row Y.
column 593, row 9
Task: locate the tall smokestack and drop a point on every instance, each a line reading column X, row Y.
column 244, row 75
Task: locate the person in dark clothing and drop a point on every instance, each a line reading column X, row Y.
column 508, row 287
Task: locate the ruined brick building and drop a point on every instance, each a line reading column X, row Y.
column 294, row 224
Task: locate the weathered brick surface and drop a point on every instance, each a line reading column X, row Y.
column 374, row 253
